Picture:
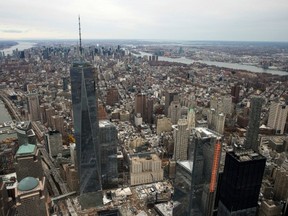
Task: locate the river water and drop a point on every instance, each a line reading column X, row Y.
column 22, row 45
column 4, row 117
column 220, row 64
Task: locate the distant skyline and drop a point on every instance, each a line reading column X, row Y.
column 240, row 20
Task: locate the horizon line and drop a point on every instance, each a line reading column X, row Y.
column 150, row 40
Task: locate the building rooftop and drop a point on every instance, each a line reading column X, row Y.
column 25, row 125
column 105, row 123
column 246, row 155
column 203, row 132
column 188, row 165
column 26, row 149
column 27, row 184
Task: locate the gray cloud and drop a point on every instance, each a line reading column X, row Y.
column 149, row 19
column 12, row 31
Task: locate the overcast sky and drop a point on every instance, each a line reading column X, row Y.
column 236, row 20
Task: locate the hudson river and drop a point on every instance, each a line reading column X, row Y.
column 20, row 46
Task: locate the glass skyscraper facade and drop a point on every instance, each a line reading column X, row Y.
column 241, row 183
column 205, row 150
column 86, row 126
column 108, row 141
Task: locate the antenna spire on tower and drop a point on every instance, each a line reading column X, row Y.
column 80, row 36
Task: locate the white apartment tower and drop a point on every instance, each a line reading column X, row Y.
column 277, row 116
column 181, row 136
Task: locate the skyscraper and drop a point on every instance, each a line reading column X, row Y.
column 235, row 90
column 205, row 154
column 191, row 119
column 86, row 126
column 169, row 97
column 241, row 183
column 181, row 136
column 174, row 111
column 140, row 105
column 254, row 123
column 108, row 141
column 277, row 116
column 33, row 107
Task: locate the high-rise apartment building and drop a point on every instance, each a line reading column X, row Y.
column 277, row 116
column 241, row 183
column 49, row 113
column 219, row 123
column 112, row 96
column 181, row 137
column 169, row 97
column 174, row 111
column 86, row 126
column 205, row 153
column 141, row 105
column 254, row 123
column 191, row 121
column 235, row 91
column 65, row 83
column 58, row 123
column 33, row 107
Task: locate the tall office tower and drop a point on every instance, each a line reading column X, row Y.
column 54, row 143
column 254, row 124
column 241, row 183
column 205, row 153
column 227, row 105
column 25, row 133
column 150, row 104
column 58, row 123
column 33, row 107
column 219, row 123
column 214, row 103
column 174, row 111
column 112, row 96
column 43, row 117
column 65, row 83
column 169, row 97
column 28, row 162
column 31, row 197
column 235, row 90
column 280, row 176
column 140, row 105
column 277, row 116
column 108, row 141
column 191, row 119
column 49, row 113
column 211, row 114
column 86, row 126
column 181, row 136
